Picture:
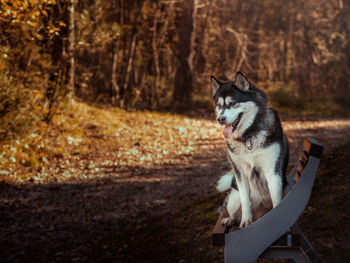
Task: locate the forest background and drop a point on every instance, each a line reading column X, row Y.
column 107, row 133
column 160, row 54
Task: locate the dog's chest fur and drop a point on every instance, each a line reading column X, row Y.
column 252, row 162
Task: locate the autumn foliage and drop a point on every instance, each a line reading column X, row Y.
column 159, row 54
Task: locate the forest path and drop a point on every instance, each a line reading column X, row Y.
column 116, row 172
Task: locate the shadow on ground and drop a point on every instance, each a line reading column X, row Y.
column 85, row 222
column 63, row 223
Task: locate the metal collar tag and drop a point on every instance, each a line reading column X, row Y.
column 248, row 144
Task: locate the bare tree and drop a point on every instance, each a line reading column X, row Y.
column 114, row 83
column 132, row 45
column 183, row 79
column 71, row 47
column 193, row 35
column 154, row 98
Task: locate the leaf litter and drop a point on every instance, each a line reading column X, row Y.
column 111, row 170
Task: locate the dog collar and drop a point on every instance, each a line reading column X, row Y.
column 248, row 144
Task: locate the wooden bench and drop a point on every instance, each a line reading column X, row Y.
column 276, row 234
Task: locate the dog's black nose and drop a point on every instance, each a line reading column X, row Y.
column 221, row 119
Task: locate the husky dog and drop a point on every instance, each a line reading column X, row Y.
column 257, row 149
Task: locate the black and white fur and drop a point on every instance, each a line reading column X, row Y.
column 257, row 149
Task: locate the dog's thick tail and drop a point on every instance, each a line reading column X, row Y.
column 225, row 182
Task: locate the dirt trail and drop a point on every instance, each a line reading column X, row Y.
column 80, row 219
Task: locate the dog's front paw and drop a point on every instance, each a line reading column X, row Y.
column 245, row 222
column 227, row 221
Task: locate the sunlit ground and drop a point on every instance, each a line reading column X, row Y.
column 91, row 144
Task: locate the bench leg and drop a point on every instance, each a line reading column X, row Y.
column 300, row 249
column 300, row 257
column 306, row 246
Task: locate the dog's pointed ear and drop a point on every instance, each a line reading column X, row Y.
column 215, row 85
column 241, row 81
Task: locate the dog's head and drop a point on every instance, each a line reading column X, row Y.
column 235, row 103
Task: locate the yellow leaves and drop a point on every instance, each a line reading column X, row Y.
column 36, row 107
column 53, row 30
column 25, row 15
column 4, row 172
column 86, row 142
column 72, row 140
column 38, row 94
column 156, row 138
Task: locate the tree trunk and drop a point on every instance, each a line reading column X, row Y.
column 154, row 98
column 71, row 46
column 132, row 45
column 198, row 57
column 193, row 35
column 128, row 69
column 114, row 83
column 182, row 94
column 254, row 40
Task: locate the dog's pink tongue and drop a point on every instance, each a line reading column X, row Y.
column 227, row 131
